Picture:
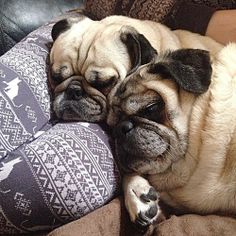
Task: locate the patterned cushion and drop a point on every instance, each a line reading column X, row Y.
column 50, row 174
column 24, row 95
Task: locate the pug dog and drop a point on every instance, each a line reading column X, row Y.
column 95, row 55
column 174, row 125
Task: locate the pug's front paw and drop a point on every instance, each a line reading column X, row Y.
column 141, row 201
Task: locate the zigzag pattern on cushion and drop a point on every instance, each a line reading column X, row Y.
column 64, row 174
column 12, row 132
column 24, row 94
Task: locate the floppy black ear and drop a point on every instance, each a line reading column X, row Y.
column 64, row 25
column 60, row 27
column 139, row 48
column 189, row 68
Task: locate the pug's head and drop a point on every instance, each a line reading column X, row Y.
column 150, row 110
column 101, row 54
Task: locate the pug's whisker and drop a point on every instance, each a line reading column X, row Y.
column 167, row 151
column 172, row 155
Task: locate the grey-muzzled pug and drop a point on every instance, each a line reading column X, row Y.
column 101, row 53
column 175, row 130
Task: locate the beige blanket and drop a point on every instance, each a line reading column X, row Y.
column 112, row 220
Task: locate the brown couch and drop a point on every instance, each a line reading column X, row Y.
column 112, row 219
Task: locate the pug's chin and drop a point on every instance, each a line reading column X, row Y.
column 73, row 116
column 70, row 115
column 143, row 164
column 89, row 110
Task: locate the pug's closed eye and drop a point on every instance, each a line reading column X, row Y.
column 154, row 111
column 105, row 86
column 100, row 84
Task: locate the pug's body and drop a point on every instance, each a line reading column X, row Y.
column 176, row 131
column 103, row 53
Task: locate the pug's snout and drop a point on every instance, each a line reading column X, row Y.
column 74, row 91
column 124, row 128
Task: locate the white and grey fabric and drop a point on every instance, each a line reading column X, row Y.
column 50, row 173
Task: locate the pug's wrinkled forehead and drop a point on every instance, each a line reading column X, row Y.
column 103, row 52
column 187, row 70
column 129, row 95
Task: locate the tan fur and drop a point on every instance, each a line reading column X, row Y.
column 96, row 46
column 204, row 179
column 211, row 184
column 95, row 50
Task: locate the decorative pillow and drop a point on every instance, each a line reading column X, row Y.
column 49, row 174
column 24, row 94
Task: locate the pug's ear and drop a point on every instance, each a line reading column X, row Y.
column 189, row 68
column 62, row 26
column 139, row 48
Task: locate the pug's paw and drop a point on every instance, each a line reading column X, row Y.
column 142, row 205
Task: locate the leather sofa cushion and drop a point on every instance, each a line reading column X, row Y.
column 18, row 18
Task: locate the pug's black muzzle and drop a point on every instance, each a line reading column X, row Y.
column 74, row 91
column 76, row 100
column 137, row 144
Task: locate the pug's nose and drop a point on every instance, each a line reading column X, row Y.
column 74, row 91
column 126, row 126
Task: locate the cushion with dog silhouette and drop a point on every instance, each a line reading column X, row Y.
column 50, row 173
